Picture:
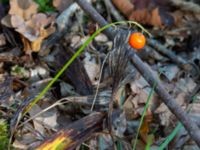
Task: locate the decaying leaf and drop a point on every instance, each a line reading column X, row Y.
column 75, row 133
column 23, row 17
column 145, row 128
column 134, row 105
column 6, row 91
column 27, row 45
column 2, row 40
column 36, row 45
column 23, row 8
column 92, row 68
column 61, row 4
column 150, row 12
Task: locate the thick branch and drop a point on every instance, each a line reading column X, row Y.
column 146, row 72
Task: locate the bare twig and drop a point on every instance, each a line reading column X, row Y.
column 146, row 72
column 113, row 10
column 98, row 84
column 62, row 23
column 177, row 59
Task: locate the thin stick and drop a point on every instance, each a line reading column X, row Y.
column 45, row 110
column 98, row 84
column 175, row 58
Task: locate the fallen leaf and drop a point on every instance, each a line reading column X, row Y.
column 35, row 27
column 6, row 21
column 92, row 68
column 61, row 4
column 37, row 121
column 145, row 128
column 125, row 6
column 23, row 17
column 2, row 40
column 27, row 45
column 17, row 21
column 6, row 91
column 36, row 45
column 23, row 8
column 170, row 71
column 150, row 12
column 186, row 84
column 119, row 125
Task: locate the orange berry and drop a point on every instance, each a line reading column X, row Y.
column 137, row 40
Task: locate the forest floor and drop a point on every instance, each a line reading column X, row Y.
column 71, row 80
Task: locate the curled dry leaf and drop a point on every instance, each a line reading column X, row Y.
column 145, row 128
column 34, row 30
column 23, row 8
column 36, row 45
column 23, row 17
column 150, row 12
column 61, row 4
column 135, row 103
column 27, row 45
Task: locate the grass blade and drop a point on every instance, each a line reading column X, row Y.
column 143, row 113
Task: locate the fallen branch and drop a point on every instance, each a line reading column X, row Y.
column 113, row 10
column 146, row 72
column 76, row 133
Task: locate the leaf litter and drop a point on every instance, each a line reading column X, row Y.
column 74, row 92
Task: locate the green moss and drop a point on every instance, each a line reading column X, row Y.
column 3, row 134
column 45, row 5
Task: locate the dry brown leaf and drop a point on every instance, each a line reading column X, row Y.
column 6, row 21
column 145, row 129
column 61, row 4
column 2, row 40
column 39, row 20
column 26, row 44
column 147, row 11
column 17, row 21
column 165, row 114
column 36, row 45
column 125, row 6
column 135, row 103
column 93, row 69
column 155, row 18
column 129, row 108
column 34, row 28
column 23, row 8
column 23, row 17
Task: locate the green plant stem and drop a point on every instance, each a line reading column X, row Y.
column 143, row 114
column 80, row 50
column 171, row 136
